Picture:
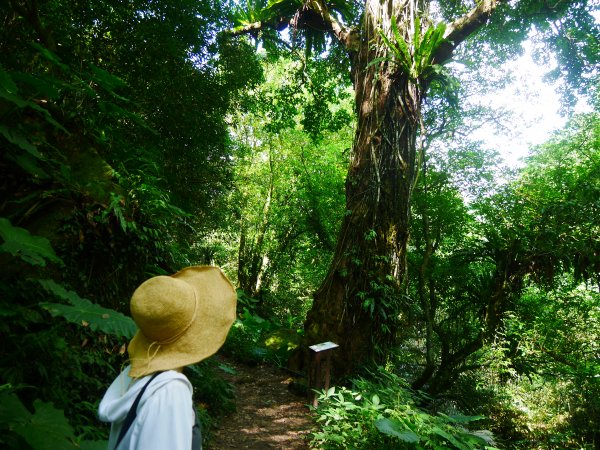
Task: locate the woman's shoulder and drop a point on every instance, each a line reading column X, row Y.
column 171, row 380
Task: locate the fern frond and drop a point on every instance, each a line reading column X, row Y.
column 83, row 312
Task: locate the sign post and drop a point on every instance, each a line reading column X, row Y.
column 320, row 371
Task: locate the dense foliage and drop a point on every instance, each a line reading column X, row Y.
column 114, row 142
column 139, row 137
column 383, row 412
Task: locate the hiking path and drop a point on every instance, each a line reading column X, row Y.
column 267, row 415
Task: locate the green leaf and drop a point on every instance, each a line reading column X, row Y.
column 14, row 137
column 227, row 369
column 399, row 48
column 52, row 57
column 93, row 445
column 417, row 34
column 459, row 418
column 12, row 410
column 30, row 164
column 48, row 428
column 35, row 250
column 482, row 436
column 401, row 43
column 6, row 82
column 447, row 436
column 45, row 429
column 83, row 312
column 21, row 103
column 437, row 37
column 46, row 86
column 397, row 429
column 106, row 79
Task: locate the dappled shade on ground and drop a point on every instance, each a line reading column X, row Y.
column 267, row 416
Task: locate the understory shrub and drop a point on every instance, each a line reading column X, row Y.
column 60, row 352
column 382, row 412
column 253, row 339
column 52, row 372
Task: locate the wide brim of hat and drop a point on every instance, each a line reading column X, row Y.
column 207, row 333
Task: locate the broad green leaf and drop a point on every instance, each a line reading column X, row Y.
column 35, row 250
column 47, row 429
column 16, row 99
column 417, row 35
column 400, row 50
column 227, row 369
column 392, row 427
column 106, row 79
column 437, row 36
column 402, row 46
column 21, row 103
column 482, row 436
column 96, row 317
column 44, row 85
column 83, row 312
column 12, row 410
column 447, row 436
column 391, row 46
column 459, row 418
column 18, row 139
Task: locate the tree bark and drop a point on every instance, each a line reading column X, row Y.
column 358, row 305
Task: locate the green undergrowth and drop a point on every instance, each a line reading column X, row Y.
column 383, row 412
column 253, row 339
column 60, row 352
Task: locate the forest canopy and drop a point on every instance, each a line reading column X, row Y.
column 323, row 154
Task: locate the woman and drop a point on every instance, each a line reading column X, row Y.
column 182, row 319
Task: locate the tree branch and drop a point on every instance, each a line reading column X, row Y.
column 348, row 37
column 246, row 29
column 459, row 30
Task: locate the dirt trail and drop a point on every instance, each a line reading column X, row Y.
column 267, row 416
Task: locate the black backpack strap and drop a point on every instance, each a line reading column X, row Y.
column 132, row 414
column 196, row 432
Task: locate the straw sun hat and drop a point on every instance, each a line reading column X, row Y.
column 182, row 319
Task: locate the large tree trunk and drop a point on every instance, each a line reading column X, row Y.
column 357, row 303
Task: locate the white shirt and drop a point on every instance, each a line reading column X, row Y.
column 165, row 414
